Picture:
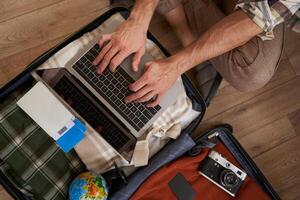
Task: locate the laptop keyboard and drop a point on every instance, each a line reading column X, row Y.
column 113, row 87
column 83, row 106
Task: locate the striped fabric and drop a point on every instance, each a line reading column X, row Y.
column 294, row 22
column 269, row 13
column 31, row 159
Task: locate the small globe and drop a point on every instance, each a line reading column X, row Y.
column 88, row 186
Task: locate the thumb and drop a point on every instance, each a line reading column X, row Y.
column 103, row 39
column 137, row 59
column 147, row 65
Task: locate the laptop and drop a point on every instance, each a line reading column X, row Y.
column 99, row 99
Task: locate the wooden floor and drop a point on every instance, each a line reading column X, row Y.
column 266, row 122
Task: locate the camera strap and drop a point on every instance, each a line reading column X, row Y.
column 200, row 144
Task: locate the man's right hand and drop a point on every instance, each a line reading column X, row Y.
column 129, row 38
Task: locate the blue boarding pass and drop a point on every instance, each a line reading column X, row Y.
column 71, row 134
column 52, row 116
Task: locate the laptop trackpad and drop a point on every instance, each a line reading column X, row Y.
column 127, row 66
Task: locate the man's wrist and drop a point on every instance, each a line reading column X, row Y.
column 142, row 12
column 181, row 62
column 139, row 22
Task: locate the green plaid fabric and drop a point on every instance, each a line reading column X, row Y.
column 31, row 159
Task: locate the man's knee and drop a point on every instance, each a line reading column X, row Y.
column 265, row 56
column 253, row 79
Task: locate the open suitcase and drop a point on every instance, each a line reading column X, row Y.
column 199, row 104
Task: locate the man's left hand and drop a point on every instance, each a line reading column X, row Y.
column 158, row 77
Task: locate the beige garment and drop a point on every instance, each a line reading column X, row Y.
column 247, row 67
column 165, row 6
column 94, row 151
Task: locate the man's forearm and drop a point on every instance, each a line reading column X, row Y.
column 142, row 12
column 229, row 33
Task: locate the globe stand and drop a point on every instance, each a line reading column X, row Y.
column 115, row 178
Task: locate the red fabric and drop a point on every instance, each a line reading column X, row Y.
column 156, row 187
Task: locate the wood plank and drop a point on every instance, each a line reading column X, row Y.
column 295, row 120
column 261, row 110
column 268, row 137
column 227, row 96
column 3, row 77
column 281, row 166
column 4, row 195
column 13, row 8
column 292, row 49
column 38, row 27
column 15, row 64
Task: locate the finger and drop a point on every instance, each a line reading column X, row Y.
column 147, row 65
column 142, row 81
column 138, row 84
column 102, row 54
column 116, row 61
column 156, row 101
column 104, row 38
column 142, row 92
column 146, row 97
column 137, row 59
column 107, row 58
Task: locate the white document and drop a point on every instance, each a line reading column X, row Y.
column 46, row 110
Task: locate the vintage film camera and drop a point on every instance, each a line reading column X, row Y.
column 222, row 173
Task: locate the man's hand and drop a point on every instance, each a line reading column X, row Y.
column 158, row 77
column 129, row 38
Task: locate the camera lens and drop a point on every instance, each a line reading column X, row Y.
column 228, row 178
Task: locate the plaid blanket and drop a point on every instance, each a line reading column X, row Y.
column 31, row 159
